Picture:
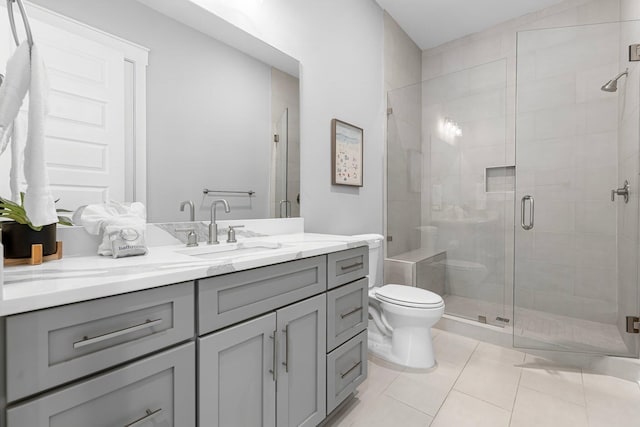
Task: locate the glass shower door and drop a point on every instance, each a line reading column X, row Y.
column 576, row 250
column 281, row 162
column 449, row 191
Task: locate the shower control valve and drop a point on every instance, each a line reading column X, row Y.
column 623, row 191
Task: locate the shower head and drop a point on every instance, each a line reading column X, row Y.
column 612, row 85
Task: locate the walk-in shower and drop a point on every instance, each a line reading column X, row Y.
column 539, row 136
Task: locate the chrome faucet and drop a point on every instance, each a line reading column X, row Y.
column 192, row 209
column 213, row 227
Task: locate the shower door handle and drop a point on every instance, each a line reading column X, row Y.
column 523, row 202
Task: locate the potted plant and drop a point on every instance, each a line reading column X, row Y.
column 19, row 234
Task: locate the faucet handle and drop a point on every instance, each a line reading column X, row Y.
column 231, row 234
column 192, row 237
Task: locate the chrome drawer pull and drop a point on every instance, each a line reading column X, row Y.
column 149, row 414
column 88, row 341
column 349, row 313
column 350, row 369
column 349, row 267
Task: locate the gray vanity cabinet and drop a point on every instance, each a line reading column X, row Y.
column 237, row 384
column 158, row 390
column 301, row 396
column 242, row 366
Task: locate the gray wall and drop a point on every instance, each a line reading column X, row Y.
column 208, row 110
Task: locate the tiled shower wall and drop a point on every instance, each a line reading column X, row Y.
column 499, row 44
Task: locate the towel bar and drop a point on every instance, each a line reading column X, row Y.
column 206, row 191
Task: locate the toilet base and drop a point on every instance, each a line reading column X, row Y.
column 411, row 353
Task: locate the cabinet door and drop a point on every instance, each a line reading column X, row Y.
column 237, row 381
column 302, row 330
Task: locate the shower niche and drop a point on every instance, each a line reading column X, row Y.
column 500, row 179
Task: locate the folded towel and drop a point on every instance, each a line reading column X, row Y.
column 122, row 227
column 38, row 201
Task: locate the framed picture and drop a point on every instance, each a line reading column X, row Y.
column 346, row 154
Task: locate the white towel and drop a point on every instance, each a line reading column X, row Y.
column 109, row 219
column 26, row 72
column 15, row 134
column 16, row 175
column 38, row 201
column 14, row 87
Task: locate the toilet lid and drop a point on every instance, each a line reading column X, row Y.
column 409, row 296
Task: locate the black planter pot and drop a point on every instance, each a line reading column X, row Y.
column 18, row 238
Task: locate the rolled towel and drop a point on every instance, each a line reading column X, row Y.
column 122, row 227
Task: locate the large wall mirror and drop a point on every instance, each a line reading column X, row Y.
column 214, row 117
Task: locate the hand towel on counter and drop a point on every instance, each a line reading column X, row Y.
column 26, row 72
column 122, row 226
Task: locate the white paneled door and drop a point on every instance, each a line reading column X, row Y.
column 86, row 129
column 85, row 132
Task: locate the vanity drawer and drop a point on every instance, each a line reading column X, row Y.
column 347, row 266
column 347, row 312
column 158, row 390
column 50, row 347
column 232, row 298
column 346, row 369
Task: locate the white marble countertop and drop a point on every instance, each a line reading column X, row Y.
column 81, row 278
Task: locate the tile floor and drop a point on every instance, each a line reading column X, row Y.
column 479, row 384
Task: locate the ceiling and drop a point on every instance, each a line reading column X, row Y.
column 431, row 23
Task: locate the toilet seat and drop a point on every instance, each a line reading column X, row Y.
column 409, row 296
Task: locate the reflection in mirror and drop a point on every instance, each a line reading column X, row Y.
column 146, row 108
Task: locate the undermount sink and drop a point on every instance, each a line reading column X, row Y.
column 229, row 250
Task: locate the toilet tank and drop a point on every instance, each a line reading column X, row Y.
column 375, row 257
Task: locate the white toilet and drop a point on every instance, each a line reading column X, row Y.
column 401, row 316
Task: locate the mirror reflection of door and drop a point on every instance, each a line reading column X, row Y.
column 284, row 184
column 280, row 163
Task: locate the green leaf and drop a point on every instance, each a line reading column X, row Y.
column 16, row 212
column 64, row 220
column 17, row 218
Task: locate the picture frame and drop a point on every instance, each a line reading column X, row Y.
column 347, row 154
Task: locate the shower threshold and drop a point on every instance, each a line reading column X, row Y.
column 539, row 329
